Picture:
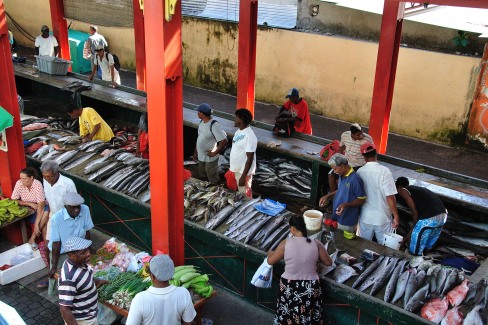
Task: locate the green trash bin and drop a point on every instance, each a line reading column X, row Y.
column 76, row 43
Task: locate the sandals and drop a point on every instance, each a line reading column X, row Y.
column 43, row 284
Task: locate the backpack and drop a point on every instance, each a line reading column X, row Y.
column 116, row 60
column 284, row 128
column 221, row 152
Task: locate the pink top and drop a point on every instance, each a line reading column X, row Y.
column 35, row 194
column 301, row 259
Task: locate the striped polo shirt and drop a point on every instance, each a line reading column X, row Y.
column 77, row 290
column 353, row 152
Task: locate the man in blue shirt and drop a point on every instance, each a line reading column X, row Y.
column 348, row 197
column 74, row 220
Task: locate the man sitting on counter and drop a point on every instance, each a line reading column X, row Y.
column 92, row 125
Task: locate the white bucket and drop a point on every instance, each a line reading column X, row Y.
column 313, row 220
column 392, row 240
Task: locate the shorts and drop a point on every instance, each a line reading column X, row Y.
column 367, row 231
column 425, row 233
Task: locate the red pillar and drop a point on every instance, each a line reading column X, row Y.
column 13, row 160
column 139, row 46
column 391, row 31
column 164, row 89
column 60, row 28
column 246, row 60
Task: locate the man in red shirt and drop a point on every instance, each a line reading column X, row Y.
column 298, row 108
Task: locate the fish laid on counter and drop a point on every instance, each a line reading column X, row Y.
column 474, row 317
column 78, row 161
column 367, row 272
column 343, row 272
column 435, row 310
column 35, row 126
column 416, row 301
column 457, row 295
column 453, row 317
column 390, row 287
column 65, row 157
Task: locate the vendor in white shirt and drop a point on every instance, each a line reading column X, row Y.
column 106, row 62
column 162, row 303
column 45, row 43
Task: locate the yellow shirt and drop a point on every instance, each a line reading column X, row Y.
column 88, row 119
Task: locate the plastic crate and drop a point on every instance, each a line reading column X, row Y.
column 20, row 270
column 52, row 65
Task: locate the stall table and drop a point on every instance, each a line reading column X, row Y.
column 23, row 229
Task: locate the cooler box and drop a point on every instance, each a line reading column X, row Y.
column 20, row 270
column 76, row 41
column 52, row 65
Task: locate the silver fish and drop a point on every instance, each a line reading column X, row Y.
column 96, row 165
column 274, row 237
column 432, row 278
column 65, row 157
column 252, row 231
column 441, row 279
column 105, row 171
column 241, row 222
column 383, row 276
column 342, row 273
column 274, row 223
column 241, row 209
column 390, row 287
column 412, row 286
column 78, row 161
column 97, row 147
column 425, row 265
column 480, row 291
column 88, row 144
column 146, row 196
column 374, row 276
column 420, row 277
column 417, row 299
column 41, row 151
column 368, row 271
column 450, row 282
column 50, row 155
column 401, row 285
column 474, row 317
column 220, row 217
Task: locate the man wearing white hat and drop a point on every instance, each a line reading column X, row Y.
column 73, row 220
column 162, row 303
column 78, row 296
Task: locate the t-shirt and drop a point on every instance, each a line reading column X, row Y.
column 353, row 152
column 46, row 45
column 96, row 40
column 208, row 136
column 378, row 184
column 350, row 188
column 34, row 194
column 77, row 290
column 88, row 119
column 244, row 141
column 105, row 63
column 54, row 194
column 300, row 110
column 301, row 259
column 63, row 227
column 155, row 306
column 428, row 204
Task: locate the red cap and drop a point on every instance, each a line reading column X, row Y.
column 367, row 147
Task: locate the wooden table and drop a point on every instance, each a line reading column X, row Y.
column 23, row 229
column 197, row 304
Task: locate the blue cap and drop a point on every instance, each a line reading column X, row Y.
column 293, row 93
column 205, row 108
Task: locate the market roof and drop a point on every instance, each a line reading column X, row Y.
column 6, row 120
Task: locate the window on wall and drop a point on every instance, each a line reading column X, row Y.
column 273, row 13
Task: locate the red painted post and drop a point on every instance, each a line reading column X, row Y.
column 165, row 113
column 456, row 3
column 60, row 28
column 246, row 60
column 139, row 46
column 391, row 28
column 13, row 160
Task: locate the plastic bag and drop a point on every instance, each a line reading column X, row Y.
column 263, row 276
column 122, row 260
column 111, row 245
column 21, row 258
column 231, row 180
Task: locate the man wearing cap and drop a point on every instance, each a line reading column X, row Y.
column 349, row 196
column 298, row 108
column 46, row 44
column 210, row 142
column 78, row 296
column 380, row 203
column 93, row 42
column 161, row 303
column 106, row 63
column 73, row 220
column 92, row 126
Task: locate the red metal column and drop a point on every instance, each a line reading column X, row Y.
column 391, row 30
column 165, row 112
column 60, row 28
column 246, row 60
column 13, row 160
column 139, row 45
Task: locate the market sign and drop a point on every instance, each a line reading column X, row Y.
column 6, row 121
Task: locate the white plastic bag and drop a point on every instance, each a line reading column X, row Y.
column 21, row 258
column 263, row 276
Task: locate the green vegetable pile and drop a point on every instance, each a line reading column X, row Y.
column 122, row 289
column 187, row 276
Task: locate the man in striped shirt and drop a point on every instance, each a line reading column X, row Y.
column 78, row 296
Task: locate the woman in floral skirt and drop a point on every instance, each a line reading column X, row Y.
column 300, row 295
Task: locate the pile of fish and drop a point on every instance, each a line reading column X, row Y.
column 282, row 177
column 234, row 216
column 35, row 123
column 420, row 284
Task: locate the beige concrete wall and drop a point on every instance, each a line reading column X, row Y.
column 433, row 91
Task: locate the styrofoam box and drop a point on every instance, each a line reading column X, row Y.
column 20, row 270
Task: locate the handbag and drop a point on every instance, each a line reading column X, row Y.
column 263, row 276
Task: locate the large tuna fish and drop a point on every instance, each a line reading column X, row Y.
column 457, row 295
column 435, row 310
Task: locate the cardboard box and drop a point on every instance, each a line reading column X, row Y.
column 20, row 270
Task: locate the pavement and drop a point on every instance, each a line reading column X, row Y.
column 36, row 307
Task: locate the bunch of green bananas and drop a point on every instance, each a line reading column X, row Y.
column 9, row 210
column 187, row 276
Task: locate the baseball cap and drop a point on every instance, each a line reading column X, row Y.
column 293, row 93
column 44, row 28
column 73, row 199
column 367, row 147
column 162, row 267
column 204, row 108
column 76, row 244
